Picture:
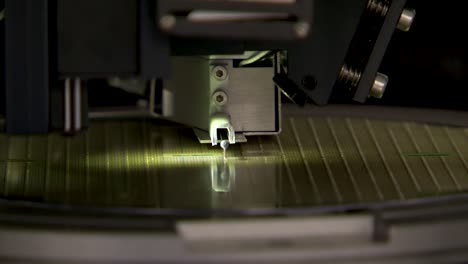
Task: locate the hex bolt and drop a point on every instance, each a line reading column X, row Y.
column 349, row 76
column 352, row 77
column 379, row 86
column 381, row 7
column 220, row 73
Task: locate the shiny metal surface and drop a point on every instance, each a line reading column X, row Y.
column 256, row 56
column 406, row 19
column 379, row 86
column 379, row 7
column 77, row 103
column 204, row 137
column 302, row 29
column 221, row 122
column 187, row 95
column 314, row 161
column 253, row 100
column 249, row 96
column 67, row 98
column 349, row 75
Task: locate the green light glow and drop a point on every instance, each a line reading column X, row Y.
column 147, row 159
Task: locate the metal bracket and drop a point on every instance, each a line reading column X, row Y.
column 369, row 74
column 204, row 137
column 221, row 121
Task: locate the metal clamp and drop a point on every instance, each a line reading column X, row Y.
column 221, row 121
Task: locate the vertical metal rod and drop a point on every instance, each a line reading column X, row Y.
column 67, row 102
column 77, row 104
column 152, row 95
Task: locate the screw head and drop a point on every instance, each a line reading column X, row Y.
column 302, row 29
column 167, row 22
column 220, row 98
column 379, row 86
column 142, row 103
column 220, row 73
column 406, row 19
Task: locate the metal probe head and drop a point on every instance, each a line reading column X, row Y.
column 224, row 145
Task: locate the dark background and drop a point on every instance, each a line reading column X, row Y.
column 428, row 66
